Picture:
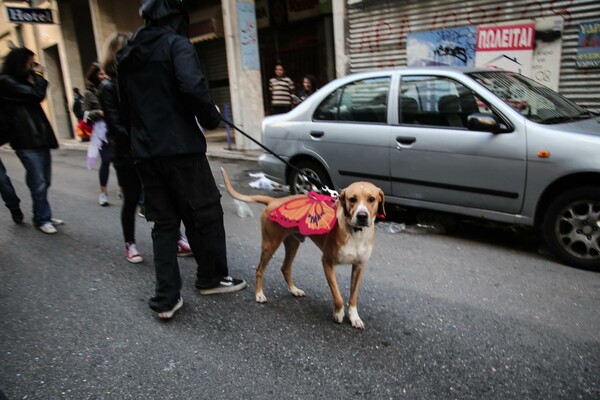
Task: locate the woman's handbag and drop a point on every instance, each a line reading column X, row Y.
column 83, row 130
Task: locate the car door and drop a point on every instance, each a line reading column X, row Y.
column 436, row 159
column 351, row 133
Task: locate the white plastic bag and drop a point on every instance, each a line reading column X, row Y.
column 242, row 209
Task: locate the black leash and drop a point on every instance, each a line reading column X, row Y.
column 315, row 181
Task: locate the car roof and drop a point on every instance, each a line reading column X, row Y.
column 463, row 70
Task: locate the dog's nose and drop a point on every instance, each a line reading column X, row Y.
column 362, row 218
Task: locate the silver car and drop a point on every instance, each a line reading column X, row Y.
column 484, row 143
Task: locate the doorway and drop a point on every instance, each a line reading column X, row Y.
column 56, row 95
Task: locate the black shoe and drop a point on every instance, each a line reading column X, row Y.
column 227, row 285
column 17, row 215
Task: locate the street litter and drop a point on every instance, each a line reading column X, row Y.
column 394, row 227
column 242, row 209
column 390, row 227
column 265, row 183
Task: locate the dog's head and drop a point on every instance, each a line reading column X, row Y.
column 361, row 202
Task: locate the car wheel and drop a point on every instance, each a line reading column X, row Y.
column 300, row 184
column 572, row 227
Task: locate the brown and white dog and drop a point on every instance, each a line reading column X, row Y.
column 349, row 242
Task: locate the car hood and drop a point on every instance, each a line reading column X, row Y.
column 589, row 126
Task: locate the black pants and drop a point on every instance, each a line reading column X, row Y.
column 132, row 189
column 176, row 189
column 280, row 109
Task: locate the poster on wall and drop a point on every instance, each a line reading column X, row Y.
column 547, row 51
column 452, row 46
column 588, row 45
column 508, row 47
column 248, row 35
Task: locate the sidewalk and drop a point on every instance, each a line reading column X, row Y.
column 216, row 143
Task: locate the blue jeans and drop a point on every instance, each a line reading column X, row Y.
column 38, row 164
column 7, row 191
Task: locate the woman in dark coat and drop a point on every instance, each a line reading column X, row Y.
column 22, row 89
column 120, row 144
column 93, row 113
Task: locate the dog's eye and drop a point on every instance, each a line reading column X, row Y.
column 352, row 200
column 371, row 199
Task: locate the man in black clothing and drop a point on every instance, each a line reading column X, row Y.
column 163, row 92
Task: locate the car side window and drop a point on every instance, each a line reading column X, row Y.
column 437, row 101
column 360, row 101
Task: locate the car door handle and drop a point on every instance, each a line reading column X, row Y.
column 406, row 139
column 317, row 134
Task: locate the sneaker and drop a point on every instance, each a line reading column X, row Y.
column 17, row 215
column 47, row 227
column 131, row 254
column 57, row 222
column 142, row 211
column 103, row 199
column 183, row 248
column 169, row 314
column 227, row 285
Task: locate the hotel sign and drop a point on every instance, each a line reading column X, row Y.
column 19, row 15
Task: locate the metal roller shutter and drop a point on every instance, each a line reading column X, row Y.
column 213, row 57
column 377, row 32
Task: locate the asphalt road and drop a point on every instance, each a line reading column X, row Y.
column 480, row 314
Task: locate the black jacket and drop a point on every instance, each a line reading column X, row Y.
column 117, row 135
column 163, row 91
column 30, row 126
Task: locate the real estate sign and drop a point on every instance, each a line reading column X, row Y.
column 508, row 47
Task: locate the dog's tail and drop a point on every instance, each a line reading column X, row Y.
column 236, row 195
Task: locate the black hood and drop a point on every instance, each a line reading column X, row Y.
column 153, row 10
column 140, row 47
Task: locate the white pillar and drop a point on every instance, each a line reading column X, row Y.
column 243, row 63
column 339, row 37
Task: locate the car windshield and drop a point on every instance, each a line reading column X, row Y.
column 533, row 100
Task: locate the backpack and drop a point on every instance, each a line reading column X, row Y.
column 78, row 108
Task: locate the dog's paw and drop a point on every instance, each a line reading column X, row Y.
column 355, row 319
column 338, row 316
column 260, row 297
column 296, row 292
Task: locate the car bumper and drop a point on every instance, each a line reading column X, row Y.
column 273, row 168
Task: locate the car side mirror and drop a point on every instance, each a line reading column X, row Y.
column 483, row 123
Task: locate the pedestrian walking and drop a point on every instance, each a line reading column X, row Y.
column 165, row 99
column 120, row 144
column 22, row 89
column 95, row 117
column 282, row 91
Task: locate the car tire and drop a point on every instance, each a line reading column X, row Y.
column 299, row 184
column 571, row 227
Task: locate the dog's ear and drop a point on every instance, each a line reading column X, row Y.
column 342, row 200
column 342, row 196
column 381, row 207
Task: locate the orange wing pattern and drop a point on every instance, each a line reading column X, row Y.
column 313, row 214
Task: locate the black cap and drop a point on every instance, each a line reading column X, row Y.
column 154, row 10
